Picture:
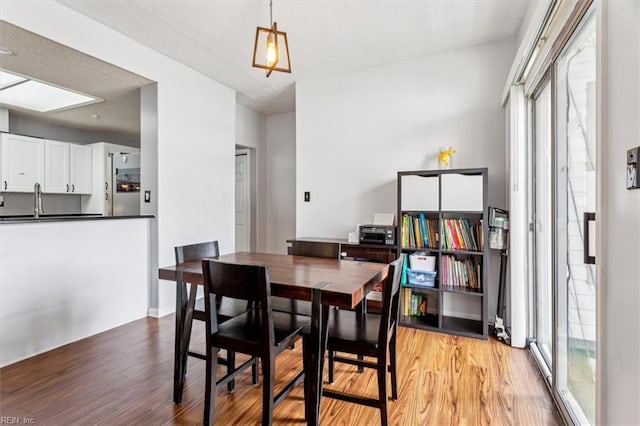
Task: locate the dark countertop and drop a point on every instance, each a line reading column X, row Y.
column 11, row 219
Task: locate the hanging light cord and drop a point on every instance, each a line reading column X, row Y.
column 271, row 11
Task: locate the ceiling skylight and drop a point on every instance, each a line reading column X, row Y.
column 24, row 93
column 8, row 79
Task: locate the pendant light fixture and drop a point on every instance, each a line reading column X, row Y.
column 271, row 51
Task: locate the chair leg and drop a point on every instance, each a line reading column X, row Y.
column 306, row 356
column 382, row 391
column 360, row 310
column 393, row 367
column 231, row 365
column 210, row 387
column 268, row 379
column 254, row 372
column 332, row 355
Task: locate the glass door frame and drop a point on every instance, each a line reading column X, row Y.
column 547, row 79
column 548, row 75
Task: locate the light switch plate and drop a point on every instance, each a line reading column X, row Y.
column 147, row 196
column 633, row 168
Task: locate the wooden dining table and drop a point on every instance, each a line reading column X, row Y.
column 324, row 282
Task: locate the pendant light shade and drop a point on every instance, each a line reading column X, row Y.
column 271, row 50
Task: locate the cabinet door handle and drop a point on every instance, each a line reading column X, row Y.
column 5, row 185
column 73, row 188
column 67, row 187
column 106, row 186
column 106, row 196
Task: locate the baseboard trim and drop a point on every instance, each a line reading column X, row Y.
column 159, row 313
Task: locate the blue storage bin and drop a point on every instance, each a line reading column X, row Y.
column 421, row 278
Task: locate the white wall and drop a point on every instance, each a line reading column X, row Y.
column 4, row 120
column 356, row 130
column 196, row 129
column 250, row 127
column 24, row 125
column 64, row 281
column 619, row 316
column 273, row 139
column 149, row 179
column 278, row 183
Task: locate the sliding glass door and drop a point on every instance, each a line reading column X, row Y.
column 563, row 197
column 575, row 274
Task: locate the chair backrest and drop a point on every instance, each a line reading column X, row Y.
column 316, row 249
column 390, row 302
column 197, row 251
column 245, row 282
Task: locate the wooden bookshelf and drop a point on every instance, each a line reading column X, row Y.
column 456, row 202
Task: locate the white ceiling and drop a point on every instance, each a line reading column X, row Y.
column 216, row 37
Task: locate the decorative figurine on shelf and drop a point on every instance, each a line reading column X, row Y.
column 444, row 157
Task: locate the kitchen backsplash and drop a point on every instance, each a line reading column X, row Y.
column 19, row 204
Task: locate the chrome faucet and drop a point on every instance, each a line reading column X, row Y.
column 37, row 201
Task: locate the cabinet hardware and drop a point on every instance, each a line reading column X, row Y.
column 73, row 188
column 67, row 187
column 106, row 196
column 5, row 185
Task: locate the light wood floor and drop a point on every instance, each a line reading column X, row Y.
column 124, row 376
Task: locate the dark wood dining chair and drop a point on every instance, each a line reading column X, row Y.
column 321, row 249
column 259, row 332
column 227, row 307
column 368, row 335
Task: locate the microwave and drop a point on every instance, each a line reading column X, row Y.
column 378, row 234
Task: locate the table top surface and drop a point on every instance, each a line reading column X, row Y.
column 344, row 283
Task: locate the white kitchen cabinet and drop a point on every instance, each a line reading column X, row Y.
column 80, row 168
column 21, row 162
column 67, row 168
column 56, row 167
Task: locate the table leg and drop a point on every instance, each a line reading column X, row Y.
column 178, row 354
column 318, row 345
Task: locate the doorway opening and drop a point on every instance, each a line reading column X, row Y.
column 245, row 199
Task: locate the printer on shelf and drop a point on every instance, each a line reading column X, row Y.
column 378, row 234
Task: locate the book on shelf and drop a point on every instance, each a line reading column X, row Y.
column 423, row 229
column 461, row 234
column 405, row 261
column 414, row 304
column 406, row 301
column 461, row 273
column 419, row 232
